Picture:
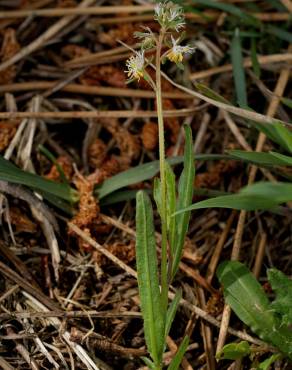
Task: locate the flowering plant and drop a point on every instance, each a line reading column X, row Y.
column 154, row 286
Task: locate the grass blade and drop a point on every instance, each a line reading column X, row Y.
column 147, row 269
column 185, row 196
column 238, row 70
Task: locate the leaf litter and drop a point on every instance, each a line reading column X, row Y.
column 89, row 282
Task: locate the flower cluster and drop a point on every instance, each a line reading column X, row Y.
column 136, row 65
column 170, row 17
column 175, row 54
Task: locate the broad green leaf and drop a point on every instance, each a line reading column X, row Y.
column 145, row 172
column 262, row 159
column 185, row 195
column 282, row 286
column 148, row 282
column 176, row 361
column 234, row 351
column 246, row 297
column 266, row 365
column 11, row 173
column 238, row 70
column 172, row 311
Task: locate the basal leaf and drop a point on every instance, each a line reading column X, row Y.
column 148, row 282
column 144, row 172
column 11, row 173
column 262, row 159
column 234, row 351
column 246, row 297
column 261, row 195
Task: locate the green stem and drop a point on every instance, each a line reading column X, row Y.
column 164, row 273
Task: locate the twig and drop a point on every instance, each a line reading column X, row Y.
column 90, row 10
column 69, row 314
column 89, row 90
column 97, row 114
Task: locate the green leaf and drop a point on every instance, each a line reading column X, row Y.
column 287, row 102
column 265, row 365
column 234, row 351
column 238, row 70
column 172, row 311
column 9, row 172
column 185, row 195
column 282, row 286
column 281, row 157
column 176, row 361
column 246, row 297
column 262, row 159
column 277, row 133
column 261, row 195
column 148, row 282
column 144, row 172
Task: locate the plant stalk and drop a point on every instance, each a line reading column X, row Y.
column 164, row 272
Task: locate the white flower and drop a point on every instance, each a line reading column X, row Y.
column 175, row 54
column 135, row 65
column 169, row 15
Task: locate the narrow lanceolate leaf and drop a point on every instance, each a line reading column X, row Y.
column 262, row 159
column 261, row 195
column 171, row 202
column 185, row 195
column 148, row 282
column 246, row 297
column 238, row 70
column 11, row 173
column 176, row 361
